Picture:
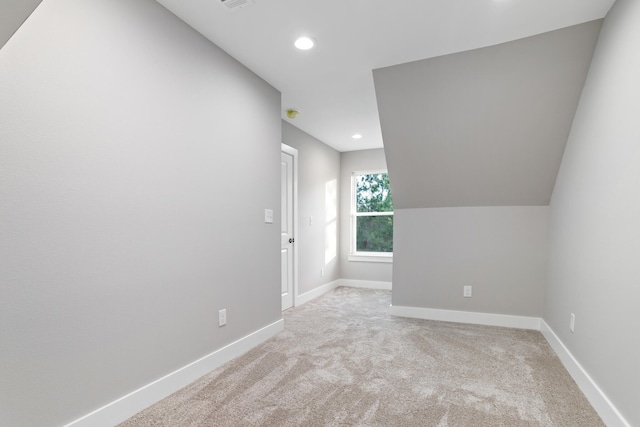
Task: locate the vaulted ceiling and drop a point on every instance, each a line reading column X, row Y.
column 332, row 84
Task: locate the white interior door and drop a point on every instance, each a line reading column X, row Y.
column 287, row 233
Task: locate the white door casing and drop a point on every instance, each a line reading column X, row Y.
column 288, row 254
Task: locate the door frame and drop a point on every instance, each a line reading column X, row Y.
column 284, row 148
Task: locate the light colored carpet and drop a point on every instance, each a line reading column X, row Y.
column 343, row 361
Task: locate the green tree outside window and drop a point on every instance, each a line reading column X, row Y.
column 373, row 213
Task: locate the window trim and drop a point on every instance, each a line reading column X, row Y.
column 354, row 254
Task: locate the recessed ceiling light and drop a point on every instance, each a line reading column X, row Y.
column 305, row 43
column 356, row 136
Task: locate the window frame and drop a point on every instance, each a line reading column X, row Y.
column 354, row 254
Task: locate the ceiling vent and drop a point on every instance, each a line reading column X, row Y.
column 237, row 4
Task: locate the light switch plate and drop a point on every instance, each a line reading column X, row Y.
column 268, row 216
column 222, row 317
column 572, row 322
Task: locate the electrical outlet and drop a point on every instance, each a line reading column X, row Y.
column 322, row 272
column 311, row 221
column 222, row 317
column 467, row 292
column 572, row 322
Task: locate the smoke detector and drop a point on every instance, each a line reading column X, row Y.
column 237, row 4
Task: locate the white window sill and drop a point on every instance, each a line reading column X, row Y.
column 372, row 257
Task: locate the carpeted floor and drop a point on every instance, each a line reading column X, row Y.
column 343, row 361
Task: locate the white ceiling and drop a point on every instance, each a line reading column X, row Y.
column 332, row 85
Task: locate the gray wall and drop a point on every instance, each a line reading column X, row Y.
column 594, row 244
column 353, row 161
column 12, row 14
column 500, row 251
column 486, row 127
column 136, row 161
column 318, row 177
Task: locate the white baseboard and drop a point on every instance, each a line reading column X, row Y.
column 315, row 293
column 600, row 402
column 520, row 322
column 321, row 290
column 134, row 402
column 368, row 284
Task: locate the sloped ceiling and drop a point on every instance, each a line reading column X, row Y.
column 12, row 14
column 331, row 85
column 486, row 127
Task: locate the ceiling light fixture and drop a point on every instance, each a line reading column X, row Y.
column 305, row 43
column 356, row 136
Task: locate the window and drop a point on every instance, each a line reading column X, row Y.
column 371, row 217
